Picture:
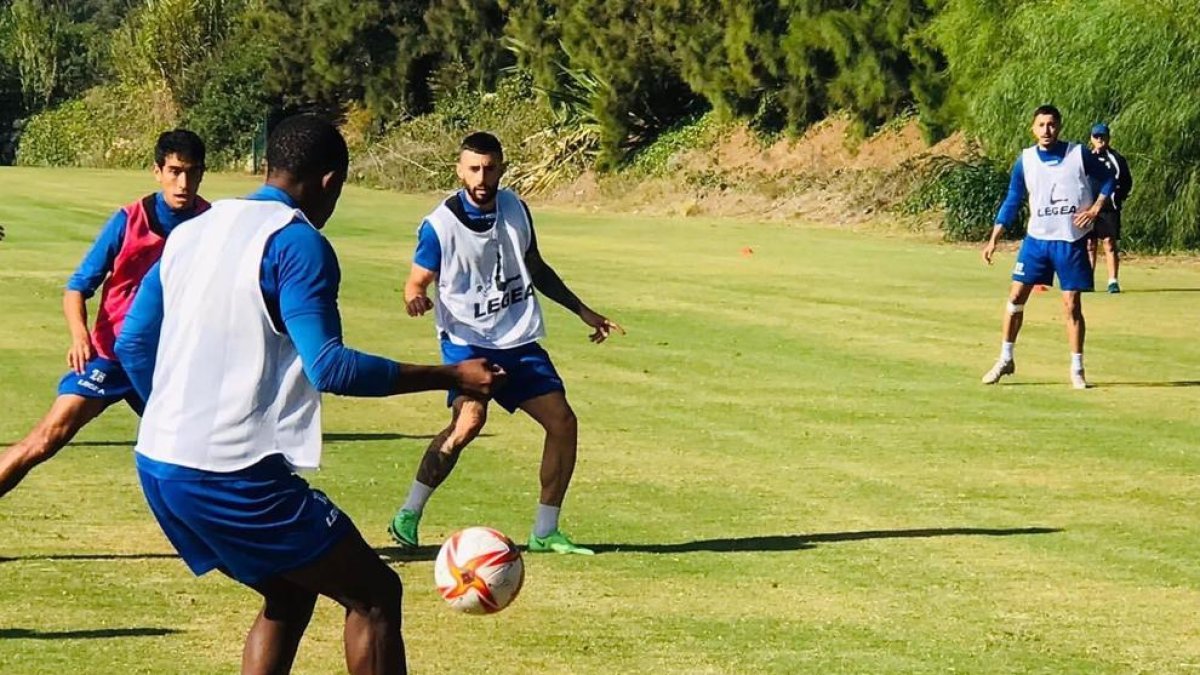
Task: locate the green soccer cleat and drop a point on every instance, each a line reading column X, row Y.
column 556, row 542
column 403, row 528
column 1114, row 287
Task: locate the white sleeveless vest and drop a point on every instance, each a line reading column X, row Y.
column 229, row 389
column 485, row 295
column 1057, row 192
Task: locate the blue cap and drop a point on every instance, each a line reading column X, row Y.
column 1100, row 129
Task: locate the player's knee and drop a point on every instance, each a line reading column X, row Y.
column 467, row 425
column 563, row 422
column 291, row 606
column 1014, row 308
column 387, row 597
column 42, row 444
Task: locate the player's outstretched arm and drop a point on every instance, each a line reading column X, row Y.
column 416, row 291
column 301, row 275
column 549, row 284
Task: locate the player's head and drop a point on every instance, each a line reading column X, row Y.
column 480, row 166
column 1047, row 123
column 308, row 158
column 179, row 167
column 1100, row 136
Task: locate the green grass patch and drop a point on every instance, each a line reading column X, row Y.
column 788, row 463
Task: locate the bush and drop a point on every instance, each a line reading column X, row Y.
column 656, row 159
column 112, row 127
column 968, row 193
column 419, row 153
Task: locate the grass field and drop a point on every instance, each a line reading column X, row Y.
column 788, row 464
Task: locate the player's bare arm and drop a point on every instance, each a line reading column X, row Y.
column 549, row 284
column 989, row 249
column 416, row 291
column 75, row 311
column 1087, row 216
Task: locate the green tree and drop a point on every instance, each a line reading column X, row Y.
column 333, row 53
column 44, row 46
column 171, row 40
column 469, row 33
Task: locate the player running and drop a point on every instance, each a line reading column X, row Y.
column 127, row 246
column 1056, row 178
column 232, row 338
column 479, row 246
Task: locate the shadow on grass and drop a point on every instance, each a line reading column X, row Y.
column 348, row 437
column 68, row 557
column 800, row 542
column 1169, row 383
column 1104, row 385
column 419, row 554
column 1159, row 290
column 29, row 634
column 784, row 542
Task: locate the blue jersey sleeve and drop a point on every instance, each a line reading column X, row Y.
column 300, row 276
column 429, row 249
column 98, row 262
column 1095, row 168
column 137, row 345
column 1013, row 198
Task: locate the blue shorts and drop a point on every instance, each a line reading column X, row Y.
column 530, row 371
column 1039, row 260
column 252, row 524
column 102, row 378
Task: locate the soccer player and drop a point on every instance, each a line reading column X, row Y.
column 125, row 249
column 232, row 339
column 1056, row 177
column 1108, row 224
column 479, row 246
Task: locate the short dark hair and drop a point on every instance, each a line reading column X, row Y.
column 483, row 143
column 306, row 146
column 182, row 143
column 1048, row 110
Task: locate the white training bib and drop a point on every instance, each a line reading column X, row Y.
column 229, row 389
column 485, row 294
column 1057, row 192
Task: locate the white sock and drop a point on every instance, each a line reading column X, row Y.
column 418, row 494
column 1076, row 363
column 547, row 520
column 1112, row 280
column 1006, row 351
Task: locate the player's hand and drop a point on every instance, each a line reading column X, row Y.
column 418, row 305
column 603, row 326
column 479, row 377
column 989, row 249
column 1087, row 216
column 79, row 354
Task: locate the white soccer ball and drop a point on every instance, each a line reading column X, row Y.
column 479, row 571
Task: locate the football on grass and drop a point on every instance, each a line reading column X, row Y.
column 479, row 571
